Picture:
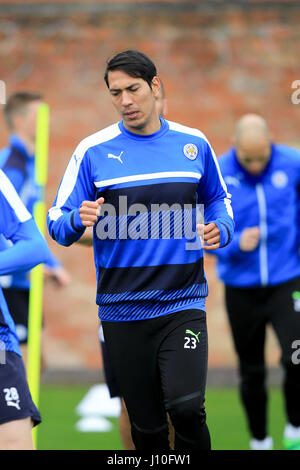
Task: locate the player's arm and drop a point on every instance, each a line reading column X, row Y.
column 29, row 247
column 297, row 154
column 218, row 225
column 74, row 207
column 53, row 267
column 87, row 237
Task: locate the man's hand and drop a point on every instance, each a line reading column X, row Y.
column 249, row 239
column 89, row 211
column 210, row 235
column 58, row 275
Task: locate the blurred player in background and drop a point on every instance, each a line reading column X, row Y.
column 261, row 269
column 18, row 163
column 151, row 288
column 27, row 249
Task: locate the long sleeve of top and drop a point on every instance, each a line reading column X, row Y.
column 213, row 192
column 151, row 186
column 19, row 167
column 28, row 247
column 18, row 178
column 63, row 220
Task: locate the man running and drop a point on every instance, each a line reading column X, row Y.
column 138, row 182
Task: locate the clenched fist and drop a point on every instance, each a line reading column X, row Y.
column 89, row 211
column 210, row 234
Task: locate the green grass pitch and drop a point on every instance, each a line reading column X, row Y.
column 226, row 421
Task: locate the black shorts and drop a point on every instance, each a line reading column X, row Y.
column 17, row 301
column 250, row 310
column 158, row 362
column 15, row 399
column 18, row 305
column 109, row 375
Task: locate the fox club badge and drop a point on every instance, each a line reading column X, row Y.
column 190, row 151
column 279, row 179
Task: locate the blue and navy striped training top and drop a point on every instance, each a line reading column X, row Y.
column 148, row 258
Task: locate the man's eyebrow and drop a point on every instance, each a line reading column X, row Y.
column 126, row 88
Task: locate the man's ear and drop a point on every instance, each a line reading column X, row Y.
column 155, row 85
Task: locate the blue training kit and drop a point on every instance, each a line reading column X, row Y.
column 27, row 249
column 19, row 167
column 141, row 272
column 271, row 202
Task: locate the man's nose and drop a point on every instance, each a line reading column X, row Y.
column 126, row 98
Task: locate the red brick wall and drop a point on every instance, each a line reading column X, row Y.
column 217, row 62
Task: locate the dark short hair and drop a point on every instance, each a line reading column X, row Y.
column 16, row 104
column 134, row 63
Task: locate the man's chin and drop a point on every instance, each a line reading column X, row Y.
column 134, row 125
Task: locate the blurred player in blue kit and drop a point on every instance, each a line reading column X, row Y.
column 17, row 161
column 261, row 269
column 27, row 249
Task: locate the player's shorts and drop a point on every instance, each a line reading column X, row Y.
column 17, row 301
column 250, row 310
column 15, row 399
column 159, row 363
column 109, row 375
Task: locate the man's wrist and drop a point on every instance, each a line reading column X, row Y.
column 76, row 221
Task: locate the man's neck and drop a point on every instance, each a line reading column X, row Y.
column 29, row 145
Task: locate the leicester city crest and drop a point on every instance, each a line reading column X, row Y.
column 279, row 179
column 190, row 151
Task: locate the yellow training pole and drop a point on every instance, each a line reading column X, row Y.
column 36, row 278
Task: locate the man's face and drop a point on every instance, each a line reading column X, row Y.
column 25, row 121
column 253, row 154
column 134, row 100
